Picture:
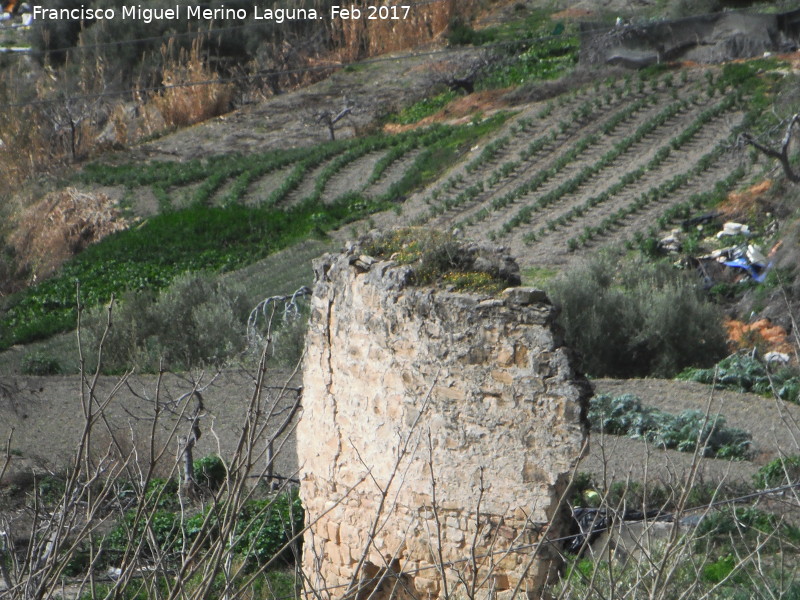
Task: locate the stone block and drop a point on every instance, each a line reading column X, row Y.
column 524, row 296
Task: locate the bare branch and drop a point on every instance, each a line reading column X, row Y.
column 781, row 155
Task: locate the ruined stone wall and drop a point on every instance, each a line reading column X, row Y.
column 407, row 387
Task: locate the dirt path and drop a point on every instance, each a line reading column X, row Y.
column 46, row 417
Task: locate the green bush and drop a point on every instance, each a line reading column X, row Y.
column 51, row 489
column 197, row 320
column 745, row 373
column 267, row 526
column 263, row 529
column 778, row 472
column 40, row 363
column 162, row 493
column 210, row 472
column 625, row 415
column 633, row 318
column 165, row 526
column 729, row 521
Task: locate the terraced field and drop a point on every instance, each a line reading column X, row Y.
column 613, row 160
column 559, row 181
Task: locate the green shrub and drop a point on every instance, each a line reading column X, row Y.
column 728, row 521
column 197, row 320
column 625, row 415
column 165, row 527
column 51, row 488
column 718, row 570
column 632, row 318
column 40, row 363
column 778, row 472
column 745, row 373
column 162, row 493
column 262, row 529
column 210, row 472
column 266, row 526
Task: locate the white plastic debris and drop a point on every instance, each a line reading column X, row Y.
column 756, row 256
column 776, row 358
column 731, row 228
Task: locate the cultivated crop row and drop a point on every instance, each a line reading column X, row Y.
column 552, row 124
column 637, row 177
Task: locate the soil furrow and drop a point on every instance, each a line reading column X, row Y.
column 590, row 156
column 552, row 247
column 354, row 177
column 259, row 190
column 546, row 159
column 638, row 156
column 556, row 121
column 393, row 173
column 306, row 187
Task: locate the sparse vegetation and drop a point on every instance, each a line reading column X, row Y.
column 436, row 257
column 40, row 363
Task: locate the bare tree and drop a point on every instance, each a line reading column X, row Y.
column 783, row 154
column 330, row 118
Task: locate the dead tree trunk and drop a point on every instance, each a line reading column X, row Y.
column 189, row 484
column 783, row 154
column 328, row 118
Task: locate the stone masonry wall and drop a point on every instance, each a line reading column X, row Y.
column 407, row 387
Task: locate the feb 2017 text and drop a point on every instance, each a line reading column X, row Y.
column 148, row 14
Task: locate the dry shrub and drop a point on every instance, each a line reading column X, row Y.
column 129, row 122
column 426, row 22
column 761, row 334
column 60, row 225
column 22, row 139
column 52, row 117
column 182, row 103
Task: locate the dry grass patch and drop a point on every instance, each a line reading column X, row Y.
column 60, row 225
column 183, row 102
column 375, row 34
